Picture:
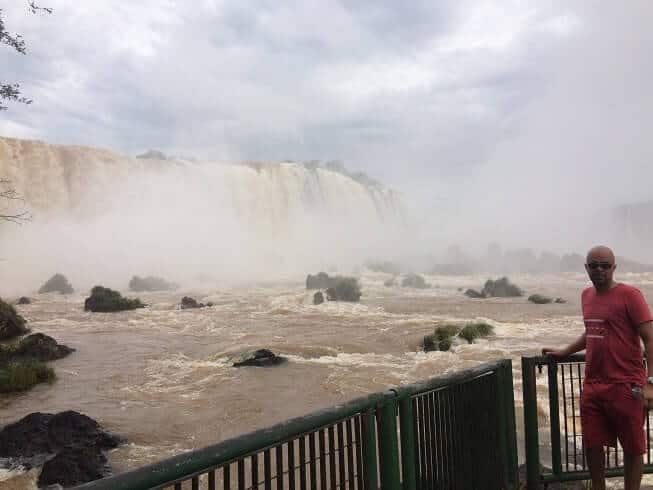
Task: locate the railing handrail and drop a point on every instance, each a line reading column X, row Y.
column 197, row 461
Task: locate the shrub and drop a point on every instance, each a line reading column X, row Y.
column 11, row 323
column 501, row 288
column 472, row 331
column 23, row 375
column 539, row 299
column 413, row 281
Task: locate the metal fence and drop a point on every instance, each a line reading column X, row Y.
column 564, row 380
column 452, row 432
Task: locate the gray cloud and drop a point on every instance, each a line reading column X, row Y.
column 517, row 102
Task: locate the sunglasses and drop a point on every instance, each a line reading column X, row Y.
column 603, row 265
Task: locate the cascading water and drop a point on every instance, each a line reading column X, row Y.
column 103, row 214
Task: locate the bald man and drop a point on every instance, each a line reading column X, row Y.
column 617, row 321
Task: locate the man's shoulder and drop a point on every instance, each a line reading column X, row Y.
column 627, row 289
column 587, row 292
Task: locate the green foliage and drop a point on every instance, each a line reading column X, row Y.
column 501, row 288
column 347, row 288
column 11, row 323
column 23, row 375
column 107, row 300
column 472, row 331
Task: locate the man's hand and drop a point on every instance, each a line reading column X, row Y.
column 547, row 351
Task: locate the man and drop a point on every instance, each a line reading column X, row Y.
column 612, row 406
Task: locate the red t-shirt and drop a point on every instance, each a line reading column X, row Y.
column 614, row 349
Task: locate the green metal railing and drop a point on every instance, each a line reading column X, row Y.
column 452, row 432
column 564, row 379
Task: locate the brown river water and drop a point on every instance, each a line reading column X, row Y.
column 161, row 377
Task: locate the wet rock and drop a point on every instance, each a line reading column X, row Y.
column 107, row 300
column 57, row 284
column 74, row 466
column 501, row 288
column 413, row 281
column 188, row 302
column 319, row 281
column 260, row 358
column 318, row 298
column 150, row 283
column 560, row 301
column 41, row 347
column 539, row 299
column 11, row 323
column 24, row 300
column 474, row 294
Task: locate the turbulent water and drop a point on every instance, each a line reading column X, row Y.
column 161, row 376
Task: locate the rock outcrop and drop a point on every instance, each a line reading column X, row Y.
column 539, row 299
column 318, row 298
column 259, row 358
column 188, row 302
column 40, row 347
column 57, row 284
column 412, row 280
column 501, row 288
column 107, row 300
column 76, row 441
column 24, row 300
column 338, row 288
column 11, row 323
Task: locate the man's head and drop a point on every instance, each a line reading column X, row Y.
column 600, row 266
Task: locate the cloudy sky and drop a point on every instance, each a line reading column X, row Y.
column 467, row 104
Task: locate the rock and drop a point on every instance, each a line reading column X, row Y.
column 331, row 294
column 539, row 299
column 107, row 300
column 11, row 323
column 57, row 283
column 24, row 300
column 75, row 440
column 74, row 466
column 41, row 347
column 260, row 358
column 320, row 281
column 188, row 302
column 44, row 433
column 413, row 281
column 501, row 288
column 346, row 289
column 21, row 374
column 473, row 293
column 471, row 331
column 560, row 301
column 150, row 283
column 318, row 298
column 152, row 155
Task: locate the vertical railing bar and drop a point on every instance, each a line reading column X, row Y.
column 341, row 456
column 322, row 443
column 302, row 463
column 554, row 417
column 312, row 468
column 279, row 463
column 226, row 478
column 178, row 486
column 573, row 419
column 369, row 450
column 407, row 431
column 332, row 459
column 195, row 483
column 437, row 430
column 267, row 470
column 254, row 470
column 351, row 474
column 564, row 414
column 241, row 474
column 648, row 439
column 359, row 452
column 291, row 464
column 428, row 437
column 423, row 476
column 529, row 388
column 418, row 458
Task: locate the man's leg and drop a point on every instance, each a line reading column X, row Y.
column 596, row 462
column 633, row 466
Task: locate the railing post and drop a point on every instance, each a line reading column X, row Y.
column 369, row 451
column 407, row 431
column 389, row 445
column 530, row 424
column 554, row 414
column 507, row 425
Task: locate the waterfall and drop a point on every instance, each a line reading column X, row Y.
column 94, row 206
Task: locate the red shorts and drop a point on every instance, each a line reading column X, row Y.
column 613, row 411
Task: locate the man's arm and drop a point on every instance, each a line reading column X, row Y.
column 646, row 333
column 576, row 346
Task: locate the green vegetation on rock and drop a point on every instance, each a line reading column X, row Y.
column 501, row 288
column 57, row 284
column 443, row 336
column 539, row 299
column 107, row 300
column 23, row 375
